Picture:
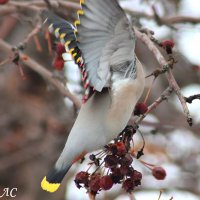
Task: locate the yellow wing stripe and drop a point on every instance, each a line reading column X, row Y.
column 56, row 31
column 73, row 55
column 80, row 12
column 67, row 43
column 78, row 60
column 71, row 50
column 49, row 187
column 62, row 35
column 77, row 22
column 82, row 2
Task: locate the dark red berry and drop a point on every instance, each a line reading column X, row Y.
column 168, row 42
column 60, row 49
column 126, row 160
column 136, row 176
column 82, row 178
column 3, row 1
column 110, row 161
column 92, row 157
column 168, row 46
column 128, row 185
column 159, row 173
column 113, row 148
column 116, row 175
column 126, row 170
column 121, row 149
column 58, row 63
column 140, row 109
column 94, row 183
column 106, row 182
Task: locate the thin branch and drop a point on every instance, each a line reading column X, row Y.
column 36, row 5
column 31, row 63
column 190, row 99
column 164, row 20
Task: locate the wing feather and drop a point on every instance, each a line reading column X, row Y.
column 103, row 30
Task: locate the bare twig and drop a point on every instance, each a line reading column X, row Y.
column 43, row 72
column 164, row 20
column 192, row 98
column 36, row 5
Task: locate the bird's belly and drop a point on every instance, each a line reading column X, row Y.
column 124, row 101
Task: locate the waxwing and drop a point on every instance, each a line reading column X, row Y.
column 102, row 43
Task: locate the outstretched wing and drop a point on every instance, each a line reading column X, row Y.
column 106, row 41
column 66, row 32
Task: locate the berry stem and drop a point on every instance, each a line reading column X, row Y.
column 149, row 91
column 91, row 196
column 21, row 71
column 143, row 140
column 4, row 62
column 37, row 43
column 160, row 194
column 98, row 168
column 48, row 38
column 91, row 164
column 148, row 165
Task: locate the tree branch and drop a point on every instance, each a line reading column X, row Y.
column 163, row 63
column 192, row 98
column 31, row 63
column 164, row 20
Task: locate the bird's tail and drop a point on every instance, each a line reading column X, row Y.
column 52, row 181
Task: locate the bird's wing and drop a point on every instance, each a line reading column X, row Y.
column 106, row 41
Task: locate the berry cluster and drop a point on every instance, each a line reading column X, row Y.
column 115, row 161
column 58, row 62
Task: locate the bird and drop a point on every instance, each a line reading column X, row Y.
column 102, row 43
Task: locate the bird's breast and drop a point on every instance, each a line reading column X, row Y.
column 125, row 94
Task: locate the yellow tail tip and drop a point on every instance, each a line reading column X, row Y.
column 49, row 187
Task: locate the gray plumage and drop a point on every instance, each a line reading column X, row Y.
column 107, row 42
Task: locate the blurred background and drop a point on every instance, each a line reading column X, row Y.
column 35, row 118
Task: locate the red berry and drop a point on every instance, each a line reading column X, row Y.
column 94, row 183
column 128, row 185
column 140, row 109
column 106, row 182
column 3, row 1
column 159, row 173
column 81, row 178
column 136, row 176
column 113, row 148
column 126, row 170
column 60, row 49
column 121, row 149
column 58, row 63
column 110, row 161
column 116, row 175
column 126, row 160
column 168, row 42
column 168, row 46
